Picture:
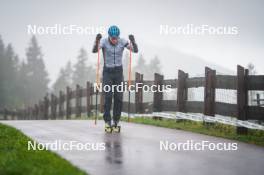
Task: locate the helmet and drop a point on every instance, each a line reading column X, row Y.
column 113, row 31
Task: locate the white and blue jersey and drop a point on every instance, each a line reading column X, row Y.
column 113, row 53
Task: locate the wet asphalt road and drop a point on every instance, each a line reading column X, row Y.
column 136, row 150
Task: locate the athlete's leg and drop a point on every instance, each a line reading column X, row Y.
column 118, row 96
column 107, row 81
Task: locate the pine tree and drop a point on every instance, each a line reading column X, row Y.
column 154, row 66
column 82, row 72
column 2, row 74
column 64, row 79
column 36, row 74
column 148, row 70
column 23, row 83
column 9, row 66
column 10, row 76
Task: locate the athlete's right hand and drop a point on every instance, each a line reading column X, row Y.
column 98, row 37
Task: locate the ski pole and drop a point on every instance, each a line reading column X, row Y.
column 97, row 83
column 129, row 81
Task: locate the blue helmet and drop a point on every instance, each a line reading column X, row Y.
column 113, row 31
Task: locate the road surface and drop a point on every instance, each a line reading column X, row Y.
column 136, row 150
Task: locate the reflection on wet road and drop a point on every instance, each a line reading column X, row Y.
column 136, row 150
column 113, row 148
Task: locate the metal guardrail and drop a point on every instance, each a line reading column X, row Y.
column 201, row 118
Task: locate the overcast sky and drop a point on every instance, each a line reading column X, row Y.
column 143, row 19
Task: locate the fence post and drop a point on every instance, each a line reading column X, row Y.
column 5, row 114
column 209, row 92
column 102, row 102
column 36, row 111
column 88, row 98
column 158, row 95
column 53, row 106
column 182, row 91
column 31, row 112
column 40, row 110
column 13, row 114
column 23, row 113
column 68, row 103
column 46, row 107
column 139, row 94
column 242, row 97
column 28, row 113
column 19, row 114
column 258, row 99
column 78, row 110
column 92, row 99
column 61, row 106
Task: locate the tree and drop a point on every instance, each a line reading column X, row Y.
column 36, row 75
column 2, row 74
column 82, row 71
column 141, row 65
column 8, row 76
column 154, row 66
column 23, row 83
column 64, row 79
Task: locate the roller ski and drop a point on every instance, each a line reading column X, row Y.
column 116, row 128
column 108, row 128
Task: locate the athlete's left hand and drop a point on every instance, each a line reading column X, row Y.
column 131, row 38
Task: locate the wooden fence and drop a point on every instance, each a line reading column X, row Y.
column 61, row 107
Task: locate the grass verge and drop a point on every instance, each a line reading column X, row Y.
column 15, row 158
column 216, row 129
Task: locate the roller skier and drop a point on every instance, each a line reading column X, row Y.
column 112, row 48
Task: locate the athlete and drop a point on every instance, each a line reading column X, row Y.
column 113, row 47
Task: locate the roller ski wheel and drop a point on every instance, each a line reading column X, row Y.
column 116, row 129
column 108, row 128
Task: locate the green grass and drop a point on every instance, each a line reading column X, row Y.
column 16, row 159
column 217, row 129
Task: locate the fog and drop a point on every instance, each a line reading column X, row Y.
column 143, row 19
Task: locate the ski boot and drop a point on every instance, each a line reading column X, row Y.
column 108, row 128
column 116, row 128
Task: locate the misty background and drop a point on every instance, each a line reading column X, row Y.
column 62, row 56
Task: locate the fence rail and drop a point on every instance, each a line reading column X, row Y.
column 62, row 107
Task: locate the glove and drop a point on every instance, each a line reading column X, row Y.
column 131, row 38
column 98, row 37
